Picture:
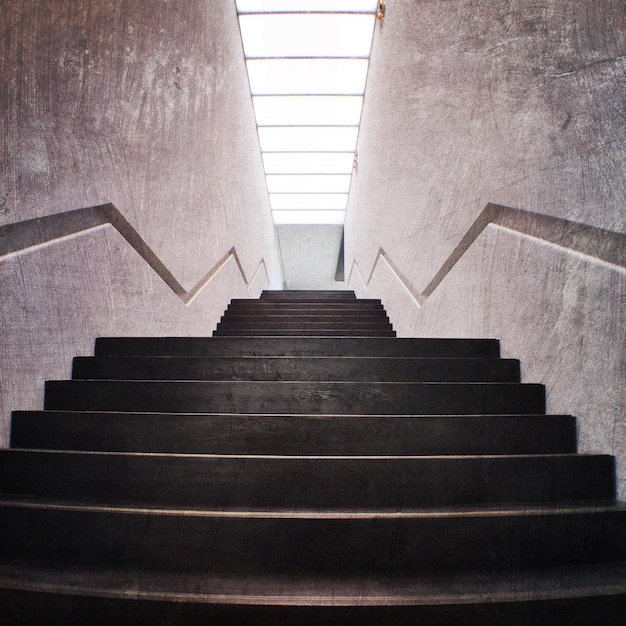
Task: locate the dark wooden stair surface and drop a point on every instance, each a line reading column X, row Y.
column 304, row 466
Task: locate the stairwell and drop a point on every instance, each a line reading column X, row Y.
column 305, row 466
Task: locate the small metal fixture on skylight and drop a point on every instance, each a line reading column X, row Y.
column 307, row 66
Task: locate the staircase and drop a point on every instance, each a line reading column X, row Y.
column 304, row 466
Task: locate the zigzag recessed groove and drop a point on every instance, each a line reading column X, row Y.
column 596, row 243
column 30, row 234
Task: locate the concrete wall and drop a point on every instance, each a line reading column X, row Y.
column 522, row 104
column 145, row 104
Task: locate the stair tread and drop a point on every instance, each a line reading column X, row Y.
column 281, row 481
column 272, row 396
column 454, row 588
column 296, row 434
column 279, row 346
column 523, row 510
column 297, row 368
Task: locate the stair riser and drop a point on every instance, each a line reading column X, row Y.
column 335, row 435
column 298, row 332
column 289, row 397
column 313, row 484
column 302, row 368
column 32, row 607
column 339, row 318
column 315, row 547
column 251, row 307
column 297, row 325
column 303, row 296
column 297, row 346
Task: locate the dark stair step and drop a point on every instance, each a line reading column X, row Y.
column 296, row 324
column 294, row 435
column 306, row 316
column 313, row 543
column 296, row 346
column 295, row 397
column 314, row 483
column 297, row 368
column 105, row 596
column 293, row 305
column 297, row 332
column 305, row 294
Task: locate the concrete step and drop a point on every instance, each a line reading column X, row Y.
column 184, row 433
column 297, row 368
column 296, row 346
column 266, row 483
column 313, row 544
column 295, row 397
column 581, row 595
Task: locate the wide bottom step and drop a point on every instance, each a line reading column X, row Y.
column 40, row 594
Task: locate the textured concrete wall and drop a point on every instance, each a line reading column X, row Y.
column 145, row 104
column 142, row 103
column 522, row 104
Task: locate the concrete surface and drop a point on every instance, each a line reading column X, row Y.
column 142, row 103
column 516, row 103
column 309, row 255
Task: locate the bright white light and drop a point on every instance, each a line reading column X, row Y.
column 310, row 201
column 308, row 110
column 307, row 66
column 303, row 183
column 307, row 35
column 309, row 217
column 308, row 162
column 308, row 138
column 308, row 6
column 307, row 76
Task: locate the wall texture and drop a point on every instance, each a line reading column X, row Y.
column 142, row 103
column 517, row 103
column 145, row 104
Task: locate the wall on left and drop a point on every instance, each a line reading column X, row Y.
column 144, row 104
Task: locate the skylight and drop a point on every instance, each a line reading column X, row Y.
column 307, row 66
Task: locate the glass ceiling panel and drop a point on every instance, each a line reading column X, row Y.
column 307, row 34
column 307, row 76
column 308, row 162
column 309, row 217
column 308, row 138
column 308, row 6
column 308, row 110
column 303, row 183
column 310, row 201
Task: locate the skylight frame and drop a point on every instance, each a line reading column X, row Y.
column 306, row 6
column 308, row 157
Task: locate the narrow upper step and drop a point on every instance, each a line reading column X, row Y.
column 308, row 295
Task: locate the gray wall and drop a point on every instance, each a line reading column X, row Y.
column 144, row 104
column 521, row 104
